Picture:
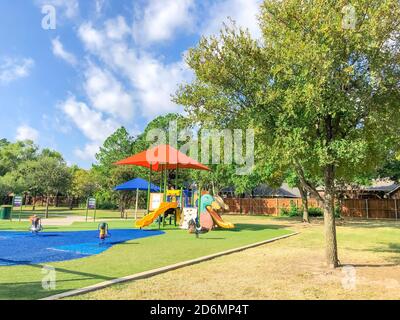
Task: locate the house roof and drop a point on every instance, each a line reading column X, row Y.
column 387, row 188
column 263, row 190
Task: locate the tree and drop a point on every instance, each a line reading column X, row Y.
column 321, row 94
column 13, row 154
column 47, row 175
column 83, row 184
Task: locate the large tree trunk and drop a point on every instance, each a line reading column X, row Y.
column 71, row 203
column 56, row 202
column 328, row 203
column 304, row 198
column 329, row 219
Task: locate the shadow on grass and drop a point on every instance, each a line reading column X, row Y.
column 378, row 265
column 393, row 248
column 252, row 227
column 369, row 224
column 34, row 290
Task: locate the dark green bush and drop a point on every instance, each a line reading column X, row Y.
column 315, row 212
column 293, row 211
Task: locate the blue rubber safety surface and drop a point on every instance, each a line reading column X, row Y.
column 24, row 248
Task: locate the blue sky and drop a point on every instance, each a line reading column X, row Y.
column 108, row 63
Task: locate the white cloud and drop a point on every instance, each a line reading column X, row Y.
column 92, row 38
column 91, row 123
column 117, row 28
column 155, row 82
column 70, row 8
column 243, row 12
column 162, row 18
column 25, row 132
column 106, row 94
column 59, row 51
column 99, row 6
column 12, row 69
column 152, row 80
column 88, row 153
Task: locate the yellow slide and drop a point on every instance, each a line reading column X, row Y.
column 149, row 219
column 218, row 220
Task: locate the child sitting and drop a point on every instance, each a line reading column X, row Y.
column 36, row 224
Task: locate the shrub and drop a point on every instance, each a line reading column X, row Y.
column 293, row 211
column 315, row 212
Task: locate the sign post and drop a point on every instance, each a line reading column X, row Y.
column 91, row 205
column 17, row 203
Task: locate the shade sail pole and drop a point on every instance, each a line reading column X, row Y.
column 199, row 206
column 176, row 177
column 137, row 200
column 148, row 189
column 165, row 183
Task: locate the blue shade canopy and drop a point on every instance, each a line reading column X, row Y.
column 135, row 184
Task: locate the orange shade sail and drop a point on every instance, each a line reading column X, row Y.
column 163, row 157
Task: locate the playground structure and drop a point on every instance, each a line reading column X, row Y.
column 175, row 204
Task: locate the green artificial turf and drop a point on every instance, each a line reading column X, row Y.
column 60, row 212
column 24, row 282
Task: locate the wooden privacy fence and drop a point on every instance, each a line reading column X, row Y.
column 371, row 208
column 351, row 208
column 266, row 206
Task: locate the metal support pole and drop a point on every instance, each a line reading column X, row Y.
column 148, row 189
column 12, row 209
column 165, row 183
column 199, row 205
column 176, row 177
column 87, row 209
column 94, row 214
column 137, row 200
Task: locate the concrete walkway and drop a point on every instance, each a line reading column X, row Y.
column 59, row 221
column 65, row 221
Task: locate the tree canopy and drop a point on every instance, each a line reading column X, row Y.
column 322, row 97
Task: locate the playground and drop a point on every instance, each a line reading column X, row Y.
column 186, row 244
column 179, row 224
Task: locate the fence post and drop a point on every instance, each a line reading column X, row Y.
column 277, row 207
column 366, row 207
column 395, row 208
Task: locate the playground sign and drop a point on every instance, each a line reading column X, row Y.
column 17, row 201
column 91, row 205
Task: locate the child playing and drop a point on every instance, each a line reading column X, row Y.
column 103, row 231
column 36, row 224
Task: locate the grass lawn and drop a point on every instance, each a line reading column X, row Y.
column 291, row 268
column 24, row 282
